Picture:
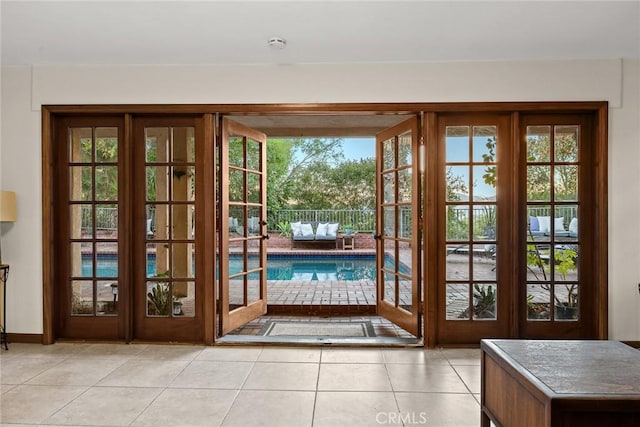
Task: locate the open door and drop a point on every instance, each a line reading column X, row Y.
column 243, row 214
column 398, row 221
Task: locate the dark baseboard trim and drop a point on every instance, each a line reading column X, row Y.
column 321, row 310
column 24, row 338
column 634, row 344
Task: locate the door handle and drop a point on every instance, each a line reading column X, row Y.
column 265, row 237
column 377, row 236
column 263, row 222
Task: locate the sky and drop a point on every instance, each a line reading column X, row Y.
column 358, row 148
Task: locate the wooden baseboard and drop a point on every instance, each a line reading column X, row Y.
column 24, row 338
column 321, row 310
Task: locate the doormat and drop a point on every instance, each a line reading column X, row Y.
column 317, row 329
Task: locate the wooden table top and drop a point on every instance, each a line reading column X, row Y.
column 585, row 367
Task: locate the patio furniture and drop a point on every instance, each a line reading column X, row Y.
column 304, row 232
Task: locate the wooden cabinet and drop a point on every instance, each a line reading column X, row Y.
column 527, row 383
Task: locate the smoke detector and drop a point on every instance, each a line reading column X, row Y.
column 277, row 43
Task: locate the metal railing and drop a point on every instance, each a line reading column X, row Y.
column 362, row 220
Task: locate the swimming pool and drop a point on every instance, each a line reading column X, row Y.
column 279, row 266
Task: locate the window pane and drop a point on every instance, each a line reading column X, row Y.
column 106, row 145
column 254, row 186
column 389, row 183
column 457, row 301
column 183, row 144
column 106, row 221
column 80, row 145
column 388, row 154
column 253, row 154
column 404, row 186
column 81, row 256
column 484, row 144
column 457, row 222
column 538, row 302
column 484, row 182
column 457, row 183
column 566, row 183
column 158, row 299
column 457, row 144
column 484, row 222
column 566, row 304
column 566, row 143
column 81, row 221
column 389, row 222
column 485, row 297
column 236, row 185
column 538, row 268
column 253, row 221
column 183, row 222
column 183, row 182
column 80, row 183
column 107, row 183
column 236, row 151
column 538, row 143
column 81, row 297
column 157, row 260
column 457, row 262
column 156, row 145
column 106, row 260
column 390, row 288
column 566, row 262
column 157, row 183
column 184, row 298
column 183, row 256
column 538, row 183
column 405, row 294
column 107, row 302
column 484, row 262
column 404, row 150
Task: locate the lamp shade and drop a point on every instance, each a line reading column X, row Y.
column 8, row 206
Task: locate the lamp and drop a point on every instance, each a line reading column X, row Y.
column 7, row 211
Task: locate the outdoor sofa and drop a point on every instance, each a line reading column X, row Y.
column 304, row 232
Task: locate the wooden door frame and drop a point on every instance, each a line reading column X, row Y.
column 51, row 113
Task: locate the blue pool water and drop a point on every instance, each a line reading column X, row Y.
column 279, row 267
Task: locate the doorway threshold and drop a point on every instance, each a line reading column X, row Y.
column 353, row 331
column 320, row 341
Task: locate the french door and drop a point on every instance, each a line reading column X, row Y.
column 475, row 179
column 243, row 213
column 88, row 233
column 398, row 225
column 167, row 299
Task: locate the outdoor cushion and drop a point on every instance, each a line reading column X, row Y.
column 327, row 237
column 573, row 226
column 559, row 224
column 332, row 230
column 321, row 231
column 534, row 225
column 307, row 230
column 296, row 229
column 304, row 237
column 545, row 224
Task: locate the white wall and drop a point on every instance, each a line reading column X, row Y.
column 25, row 89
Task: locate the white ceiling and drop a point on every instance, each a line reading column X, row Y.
column 236, row 32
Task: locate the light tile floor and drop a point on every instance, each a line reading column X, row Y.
column 79, row 384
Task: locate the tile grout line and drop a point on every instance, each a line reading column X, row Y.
column 241, row 387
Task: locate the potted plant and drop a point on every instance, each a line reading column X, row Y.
column 348, row 229
column 565, row 306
